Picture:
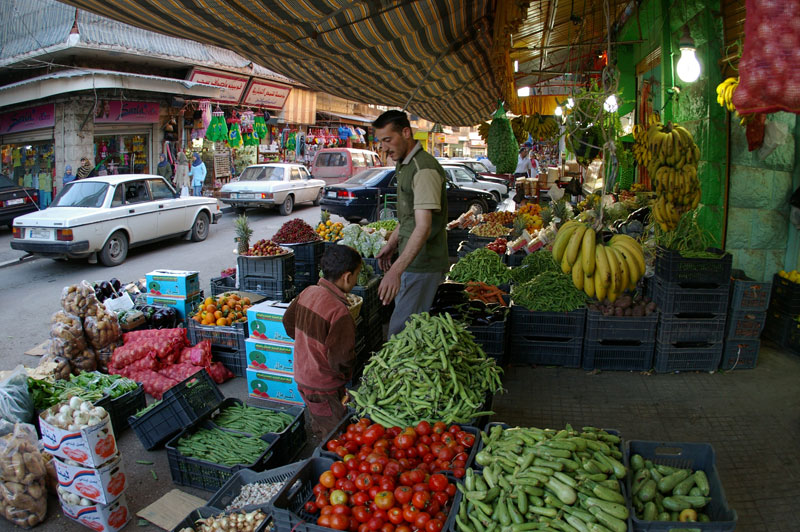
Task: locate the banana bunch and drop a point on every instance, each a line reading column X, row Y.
column 640, row 152
column 483, row 130
column 540, row 128
column 725, row 92
column 602, row 271
column 673, row 171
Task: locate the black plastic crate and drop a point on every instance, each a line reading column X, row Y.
column 369, row 293
column 233, row 359
column 226, row 336
column 525, row 322
column 674, row 268
column 228, row 493
column 267, row 287
column 691, row 328
column 208, row 511
column 687, row 356
column 374, row 264
column 305, row 277
column 465, row 248
column 740, row 354
column 276, row 267
column 477, row 241
column 492, row 339
column 684, row 455
column 793, row 338
column 220, row 285
column 745, row 325
column 543, row 351
column 618, row 355
column 777, row 326
column 676, row 298
column 454, row 238
column 182, row 405
column 515, row 259
column 785, row 295
column 625, row 328
column 748, row 294
column 121, row 408
column 307, row 252
column 206, row 475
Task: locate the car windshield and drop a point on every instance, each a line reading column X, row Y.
column 367, row 177
column 262, row 173
column 6, row 182
column 81, row 194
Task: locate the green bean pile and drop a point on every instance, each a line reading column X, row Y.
column 148, row 408
column 482, row 265
column 432, row 370
column 549, row 292
column 256, row 421
column 534, row 264
column 220, row 447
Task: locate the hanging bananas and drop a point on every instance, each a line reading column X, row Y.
column 725, row 92
column 483, row 131
column 640, row 152
column 601, row 270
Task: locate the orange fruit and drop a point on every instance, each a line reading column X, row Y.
column 245, row 301
column 209, row 301
column 222, row 321
column 218, row 314
column 211, row 308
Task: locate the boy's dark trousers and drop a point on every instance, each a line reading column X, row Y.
column 326, row 409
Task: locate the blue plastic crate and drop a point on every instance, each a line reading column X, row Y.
column 745, row 325
column 677, row 298
column 220, row 285
column 525, row 322
column 683, row 328
column 228, row 492
column 777, row 326
column 492, row 339
column 624, row 328
column 674, row 268
column 749, row 295
column 785, row 295
column 687, row 356
column 618, row 355
column 543, row 351
column 740, row 354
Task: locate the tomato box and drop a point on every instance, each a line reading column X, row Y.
column 99, row 517
column 273, row 386
column 174, row 283
column 184, row 306
column 265, row 321
column 91, row 446
column 277, row 357
column 102, row 485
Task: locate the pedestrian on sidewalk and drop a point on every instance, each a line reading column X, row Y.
column 198, row 174
column 69, row 177
column 181, row 172
column 164, row 169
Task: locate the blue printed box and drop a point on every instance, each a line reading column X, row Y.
column 184, row 306
column 265, row 321
column 173, row 283
column 273, row 386
column 268, row 355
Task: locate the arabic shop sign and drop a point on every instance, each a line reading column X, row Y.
column 231, row 86
column 27, row 119
column 266, row 94
column 118, row 111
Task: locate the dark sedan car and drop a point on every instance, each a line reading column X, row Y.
column 364, row 196
column 15, row 200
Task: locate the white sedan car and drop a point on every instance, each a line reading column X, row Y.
column 273, row 184
column 101, row 217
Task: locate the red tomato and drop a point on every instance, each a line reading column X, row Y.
column 404, row 441
column 338, row 469
column 428, row 458
column 374, row 523
column 402, row 528
column 392, row 432
column 361, row 514
column 458, row 463
column 422, row 519
column 338, row 497
column 380, row 514
column 461, row 456
column 326, row 510
column 453, row 429
column 332, row 445
column 395, row 515
column 324, row 520
column 402, row 494
column 441, row 516
column 353, row 525
column 376, row 467
column 439, row 427
column 446, row 454
column 352, row 464
column 319, row 488
column 420, row 486
column 348, row 486
column 440, row 497
column 359, row 498
column 398, row 453
column 406, row 479
column 372, row 434
column 421, row 499
column 364, row 421
column 327, row 479
column 459, row 472
column 449, row 440
column 426, row 439
column 422, row 449
column 434, row 507
column 467, row 439
column 363, row 467
column 451, row 490
column 410, row 513
column 342, row 509
column 363, row 481
column 387, row 483
column 373, row 491
column 363, row 527
column 437, row 446
column 310, row 507
column 387, row 527
column 339, row 522
column 405, row 464
column 339, row 482
column 342, row 451
column 438, row 482
column 392, row 468
column 351, row 447
column 423, row 428
column 417, row 475
column 411, row 452
column 434, row 525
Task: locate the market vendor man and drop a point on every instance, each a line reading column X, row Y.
column 420, row 237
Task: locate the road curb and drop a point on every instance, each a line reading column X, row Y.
column 25, row 258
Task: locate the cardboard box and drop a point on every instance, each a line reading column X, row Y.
column 265, row 321
column 99, row 517
column 269, row 355
column 184, row 306
column 273, row 386
column 102, row 485
column 91, row 446
column 174, row 283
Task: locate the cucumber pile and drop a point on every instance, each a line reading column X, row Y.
column 663, row 493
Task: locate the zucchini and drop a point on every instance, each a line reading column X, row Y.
column 605, row 493
column 663, row 516
column 637, row 462
column 614, row 524
column 564, row 493
column 676, row 504
column 668, row 483
column 701, row 480
column 648, row 490
column 620, row 511
column 650, row 511
column 684, row 486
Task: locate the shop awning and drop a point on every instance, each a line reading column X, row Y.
column 357, row 119
column 74, row 80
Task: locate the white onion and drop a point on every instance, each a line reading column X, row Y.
column 75, row 402
column 82, row 419
column 86, row 406
column 93, row 420
column 61, row 420
column 66, row 410
column 86, row 502
column 98, row 412
column 74, row 427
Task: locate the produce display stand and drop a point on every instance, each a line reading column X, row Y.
column 546, row 338
column 231, row 489
column 307, row 257
column 270, row 276
column 121, row 408
column 220, row 285
column 625, row 343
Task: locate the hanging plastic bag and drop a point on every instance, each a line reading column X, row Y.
column 16, row 404
column 775, row 134
column 23, row 476
column 184, row 191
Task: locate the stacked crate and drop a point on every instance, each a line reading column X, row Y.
column 546, row 338
column 781, row 326
column 270, row 276
column 746, row 317
column 371, row 329
column 307, row 258
column 692, row 297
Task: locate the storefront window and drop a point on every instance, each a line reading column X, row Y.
column 23, row 162
column 122, row 154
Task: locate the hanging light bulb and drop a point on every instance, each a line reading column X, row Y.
column 516, row 66
column 610, row 105
column 688, row 68
column 559, row 111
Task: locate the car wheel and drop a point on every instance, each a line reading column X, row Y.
column 319, row 199
column 200, row 227
column 478, row 206
column 387, row 214
column 114, row 250
column 286, row 206
column 497, row 196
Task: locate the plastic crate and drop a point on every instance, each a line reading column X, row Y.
column 674, row 268
column 220, row 285
column 749, row 295
column 307, row 252
column 691, row 328
column 482, row 241
column 123, row 407
column 547, row 324
column 785, row 295
column 618, row 355
column 793, row 338
column 206, row 475
column 454, row 238
column 676, row 298
column 515, row 259
column 227, row 493
column 625, row 328
column 373, row 262
column 777, row 326
column 546, row 351
column 740, row 354
column 465, row 248
column 225, row 336
column 272, row 266
column 182, row 405
column 744, row 325
column 492, row 339
column 270, row 288
column 369, row 293
column 684, row 455
column 305, row 276
column 687, row 356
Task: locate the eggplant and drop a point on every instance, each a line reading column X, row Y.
column 451, row 287
column 115, row 284
column 105, row 286
column 164, row 318
column 99, row 294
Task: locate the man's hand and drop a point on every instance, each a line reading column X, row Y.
column 385, row 255
column 390, row 286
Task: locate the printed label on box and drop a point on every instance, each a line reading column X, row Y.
column 273, row 386
column 277, row 357
column 91, row 446
column 101, row 485
column 173, row 283
column 185, row 307
column 99, row 517
column 265, row 321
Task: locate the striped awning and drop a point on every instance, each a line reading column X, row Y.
column 434, row 54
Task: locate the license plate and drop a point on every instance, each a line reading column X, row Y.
column 331, row 194
column 246, row 196
column 39, row 233
column 18, row 201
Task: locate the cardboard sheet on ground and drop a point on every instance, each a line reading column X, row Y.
column 38, row 351
column 170, row 509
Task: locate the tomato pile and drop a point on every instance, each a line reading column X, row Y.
column 390, row 480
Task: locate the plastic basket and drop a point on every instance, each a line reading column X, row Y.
column 546, row 351
column 625, row 328
column 369, row 293
column 275, row 267
column 547, row 324
column 674, row 268
column 618, row 355
column 691, row 328
column 492, row 339
column 305, row 278
column 689, row 356
column 684, row 455
column 785, row 295
column 307, row 253
column 374, row 264
column 121, row 408
column 280, row 290
column 777, row 326
column 220, row 285
column 227, row 493
column 676, row 298
column 740, row 354
column 515, row 259
column 208, row 511
column 182, row 405
column 745, row 325
column 205, row 475
column 454, row 238
column 233, row 359
column 749, row 295
column 225, row 336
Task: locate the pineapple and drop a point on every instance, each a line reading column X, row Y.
column 547, row 216
column 324, row 216
column 562, row 211
column 243, row 233
column 519, row 227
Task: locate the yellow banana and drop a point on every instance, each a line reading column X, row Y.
column 630, row 264
column 588, row 285
column 634, row 249
column 577, row 275
column 602, row 273
column 562, row 239
column 575, row 242
column 587, row 251
column 613, row 268
column 600, row 289
column 566, row 267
